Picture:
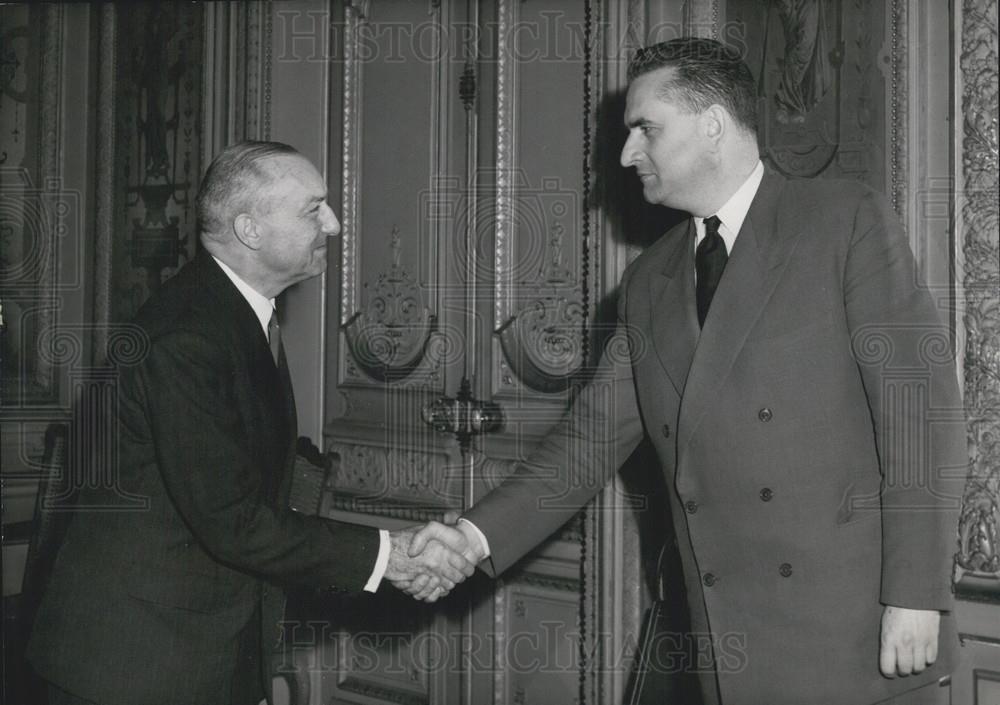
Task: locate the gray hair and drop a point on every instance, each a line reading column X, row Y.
column 233, row 181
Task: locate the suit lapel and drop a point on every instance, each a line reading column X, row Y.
column 276, row 387
column 673, row 318
column 760, row 254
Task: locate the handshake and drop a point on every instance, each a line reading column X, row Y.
column 428, row 561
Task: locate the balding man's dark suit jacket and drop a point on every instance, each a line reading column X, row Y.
column 150, row 605
column 811, row 435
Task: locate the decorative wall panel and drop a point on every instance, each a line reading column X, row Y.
column 543, row 269
column 399, row 198
column 821, row 84
column 157, row 148
column 36, row 211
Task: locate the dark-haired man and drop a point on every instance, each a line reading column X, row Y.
column 177, row 603
column 782, row 365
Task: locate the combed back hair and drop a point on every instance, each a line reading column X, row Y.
column 706, row 72
column 232, row 182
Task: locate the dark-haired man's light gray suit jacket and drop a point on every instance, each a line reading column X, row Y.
column 808, row 434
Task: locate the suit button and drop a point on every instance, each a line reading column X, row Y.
column 785, row 569
column 691, row 506
column 666, row 430
column 708, row 579
column 766, row 494
column 765, row 415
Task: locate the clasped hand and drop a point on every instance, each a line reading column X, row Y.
column 428, row 562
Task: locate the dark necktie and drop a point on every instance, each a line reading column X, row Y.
column 278, row 484
column 278, row 353
column 274, row 336
column 709, row 262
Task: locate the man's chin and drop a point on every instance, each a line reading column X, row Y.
column 316, row 267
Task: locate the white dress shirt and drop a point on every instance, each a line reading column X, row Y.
column 263, row 308
column 734, row 211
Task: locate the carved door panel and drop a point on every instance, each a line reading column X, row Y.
column 466, row 304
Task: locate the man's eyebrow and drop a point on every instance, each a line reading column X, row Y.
column 637, row 122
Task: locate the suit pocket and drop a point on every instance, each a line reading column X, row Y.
column 192, row 591
column 861, row 500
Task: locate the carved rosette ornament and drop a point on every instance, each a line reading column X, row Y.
column 978, row 558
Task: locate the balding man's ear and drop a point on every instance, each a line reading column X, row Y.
column 246, row 231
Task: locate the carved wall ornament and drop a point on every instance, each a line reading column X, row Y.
column 388, row 339
column 543, row 344
column 554, row 271
column 380, row 479
column 979, row 534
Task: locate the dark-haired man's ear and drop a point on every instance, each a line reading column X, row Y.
column 715, row 119
column 246, row 230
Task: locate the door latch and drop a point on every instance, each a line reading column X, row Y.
column 463, row 415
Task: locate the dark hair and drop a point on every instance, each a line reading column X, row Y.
column 233, row 179
column 705, row 72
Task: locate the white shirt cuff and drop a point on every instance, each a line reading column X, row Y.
column 381, row 563
column 482, row 537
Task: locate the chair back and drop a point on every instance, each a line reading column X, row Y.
column 53, row 511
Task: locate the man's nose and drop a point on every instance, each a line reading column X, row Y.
column 331, row 226
column 629, row 152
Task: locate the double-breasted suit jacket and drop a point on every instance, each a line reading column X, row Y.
column 811, row 433
column 152, row 600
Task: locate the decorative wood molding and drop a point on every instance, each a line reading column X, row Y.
column 50, row 172
column 380, row 692
column 391, row 481
column 500, row 610
column 265, row 78
column 978, row 558
column 350, row 161
column 897, row 122
column 702, row 18
column 534, row 579
column 105, row 215
column 238, row 41
column 506, row 125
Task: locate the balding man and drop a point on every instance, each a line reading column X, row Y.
column 178, row 604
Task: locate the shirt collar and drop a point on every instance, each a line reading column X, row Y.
column 734, row 211
column 262, row 306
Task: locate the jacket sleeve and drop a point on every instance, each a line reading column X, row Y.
column 904, row 354
column 571, row 464
column 205, row 460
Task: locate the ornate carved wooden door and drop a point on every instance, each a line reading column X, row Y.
column 467, row 306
